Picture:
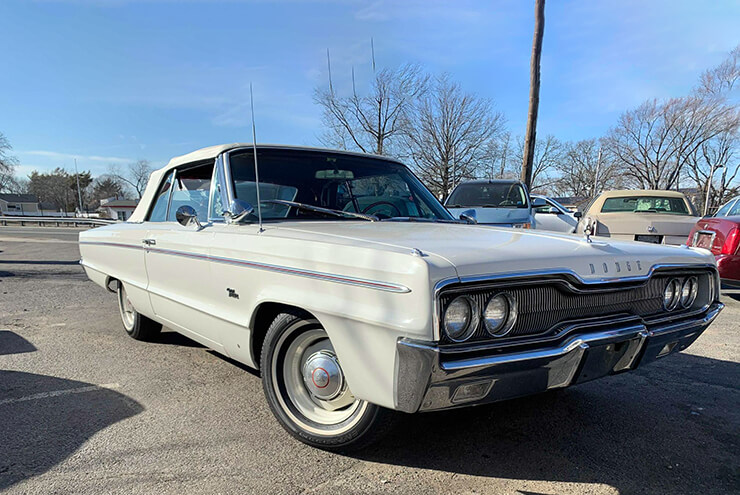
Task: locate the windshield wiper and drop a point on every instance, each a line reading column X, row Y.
column 420, row 219
column 318, row 209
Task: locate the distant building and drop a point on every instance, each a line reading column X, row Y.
column 18, row 204
column 117, row 209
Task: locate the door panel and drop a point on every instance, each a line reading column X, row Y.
column 179, row 270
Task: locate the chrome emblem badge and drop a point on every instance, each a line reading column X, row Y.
column 651, row 229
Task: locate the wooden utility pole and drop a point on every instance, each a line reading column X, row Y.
column 534, row 92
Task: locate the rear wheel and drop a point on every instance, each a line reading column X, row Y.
column 136, row 325
column 307, row 391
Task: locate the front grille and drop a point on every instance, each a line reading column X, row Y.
column 546, row 306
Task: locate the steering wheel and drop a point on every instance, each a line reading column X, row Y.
column 378, row 203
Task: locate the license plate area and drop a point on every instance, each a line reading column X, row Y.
column 704, row 240
column 608, row 359
column 653, row 239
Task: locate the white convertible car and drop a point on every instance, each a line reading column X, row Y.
column 356, row 294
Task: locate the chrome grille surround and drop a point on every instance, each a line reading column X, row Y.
column 551, row 302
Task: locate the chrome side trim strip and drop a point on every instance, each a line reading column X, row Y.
column 358, row 282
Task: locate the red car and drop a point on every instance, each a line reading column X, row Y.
column 721, row 235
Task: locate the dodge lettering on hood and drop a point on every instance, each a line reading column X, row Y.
column 356, row 294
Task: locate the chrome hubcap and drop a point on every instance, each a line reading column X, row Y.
column 314, row 384
column 323, row 376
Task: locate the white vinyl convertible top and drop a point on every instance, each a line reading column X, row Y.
column 211, row 153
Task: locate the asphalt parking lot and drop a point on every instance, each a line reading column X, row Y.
column 86, row 409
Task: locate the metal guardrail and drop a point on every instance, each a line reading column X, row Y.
column 56, row 221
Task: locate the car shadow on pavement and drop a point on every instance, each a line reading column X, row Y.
column 732, row 293
column 44, row 420
column 12, row 343
column 671, row 427
column 177, row 339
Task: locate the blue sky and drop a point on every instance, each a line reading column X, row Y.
column 112, row 81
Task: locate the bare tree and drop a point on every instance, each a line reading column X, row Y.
column 8, row 164
column 581, row 171
column 719, row 154
column 654, row 142
column 721, row 80
column 135, row 176
column 19, row 185
column 546, row 157
column 447, row 140
column 500, row 158
column 534, row 95
column 721, row 151
column 373, row 123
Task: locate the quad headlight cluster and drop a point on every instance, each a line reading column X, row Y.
column 680, row 293
column 463, row 316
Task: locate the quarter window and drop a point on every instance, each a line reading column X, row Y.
column 159, row 211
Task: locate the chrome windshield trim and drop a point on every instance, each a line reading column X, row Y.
column 229, row 183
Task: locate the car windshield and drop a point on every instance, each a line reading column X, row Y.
column 646, row 204
column 488, row 195
column 335, row 181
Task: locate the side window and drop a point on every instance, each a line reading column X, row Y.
column 735, row 210
column 546, row 208
column 159, row 211
column 191, row 187
column 723, row 212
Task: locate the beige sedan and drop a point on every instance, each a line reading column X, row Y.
column 659, row 217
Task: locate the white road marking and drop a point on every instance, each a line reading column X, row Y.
column 31, row 239
column 57, row 393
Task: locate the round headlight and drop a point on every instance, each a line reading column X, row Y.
column 499, row 315
column 461, row 319
column 671, row 294
column 688, row 292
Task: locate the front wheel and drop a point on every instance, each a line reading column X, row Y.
column 136, row 325
column 307, row 392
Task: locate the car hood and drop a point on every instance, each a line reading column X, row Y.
column 647, row 223
column 479, row 250
column 496, row 215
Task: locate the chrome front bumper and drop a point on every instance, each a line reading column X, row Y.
column 429, row 377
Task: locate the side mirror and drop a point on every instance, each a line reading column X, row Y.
column 577, row 214
column 469, row 216
column 538, row 203
column 237, row 211
column 187, row 216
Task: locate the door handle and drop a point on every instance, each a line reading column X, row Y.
column 149, row 242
